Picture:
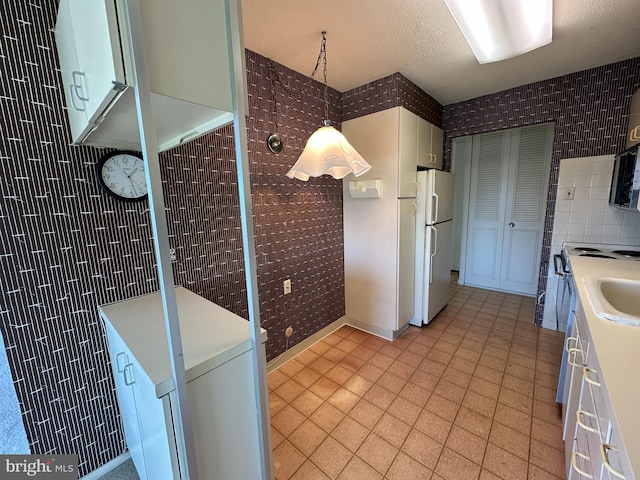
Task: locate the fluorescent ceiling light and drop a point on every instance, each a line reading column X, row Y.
column 500, row 29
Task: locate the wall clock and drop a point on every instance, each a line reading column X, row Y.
column 122, row 175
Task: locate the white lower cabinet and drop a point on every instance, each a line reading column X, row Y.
column 220, row 387
column 593, row 448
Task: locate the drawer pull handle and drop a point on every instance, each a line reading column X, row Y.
column 579, row 414
column 567, row 347
column 574, row 464
column 128, row 379
column 118, row 364
column 73, row 102
column 76, row 76
column 604, row 452
column 572, row 360
column 585, row 374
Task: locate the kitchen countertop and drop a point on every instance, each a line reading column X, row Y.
column 618, row 350
column 210, row 334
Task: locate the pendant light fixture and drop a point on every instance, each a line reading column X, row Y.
column 500, row 29
column 327, row 151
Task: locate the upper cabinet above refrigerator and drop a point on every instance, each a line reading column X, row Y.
column 188, row 61
column 430, row 142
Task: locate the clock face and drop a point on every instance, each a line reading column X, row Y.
column 122, row 175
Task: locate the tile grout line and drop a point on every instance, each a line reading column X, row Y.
column 431, row 346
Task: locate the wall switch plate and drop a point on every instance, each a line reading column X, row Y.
column 287, row 286
column 567, row 193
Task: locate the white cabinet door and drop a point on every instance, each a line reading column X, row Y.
column 189, row 70
column 120, row 359
column 88, row 68
column 225, row 397
column 407, row 162
column 424, row 143
column 406, row 261
column 69, row 70
column 430, row 141
column 100, row 60
column 437, row 143
column 154, row 425
column 143, row 414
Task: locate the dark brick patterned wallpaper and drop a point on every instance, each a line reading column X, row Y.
column 590, row 110
column 298, row 225
column 65, row 247
column 392, row 91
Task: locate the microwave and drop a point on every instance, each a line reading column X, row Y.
column 625, row 183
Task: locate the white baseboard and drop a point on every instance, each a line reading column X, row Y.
column 107, row 467
column 373, row 330
column 329, row 329
column 306, row 343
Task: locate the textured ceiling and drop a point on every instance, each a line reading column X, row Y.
column 369, row 39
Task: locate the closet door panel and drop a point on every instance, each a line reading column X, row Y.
column 525, row 208
column 486, row 210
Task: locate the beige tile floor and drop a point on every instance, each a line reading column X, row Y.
column 470, row 396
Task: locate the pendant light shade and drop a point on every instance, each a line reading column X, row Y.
column 327, row 151
column 500, row 29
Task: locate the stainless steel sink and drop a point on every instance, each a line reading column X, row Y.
column 615, row 299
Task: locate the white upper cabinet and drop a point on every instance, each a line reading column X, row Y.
column 430, row 140
column 395, row 129
column 187, row 57
column 407, row 167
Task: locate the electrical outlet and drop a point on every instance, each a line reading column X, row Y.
column 568, row 193
column 288, row 332
column 172, row 254
column 287, row 286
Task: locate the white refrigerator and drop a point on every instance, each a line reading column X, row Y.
column 434, row 238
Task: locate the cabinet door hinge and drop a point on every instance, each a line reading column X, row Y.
column 118, row 86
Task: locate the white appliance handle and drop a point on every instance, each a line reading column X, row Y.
column 434, row 248
column 435, row 207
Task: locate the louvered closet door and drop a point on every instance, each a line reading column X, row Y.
column 507, row 200
column 489, row 176
column 527, row 194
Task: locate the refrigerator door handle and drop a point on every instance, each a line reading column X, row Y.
column 434, row 248
column 435, row 207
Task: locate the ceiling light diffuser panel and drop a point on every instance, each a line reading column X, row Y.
column 501, row 29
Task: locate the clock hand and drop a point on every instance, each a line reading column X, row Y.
column 135, row 185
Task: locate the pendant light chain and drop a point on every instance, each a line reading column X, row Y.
column 273, row 94
column 323, row 54
column 296, row 94
column 327, row 151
